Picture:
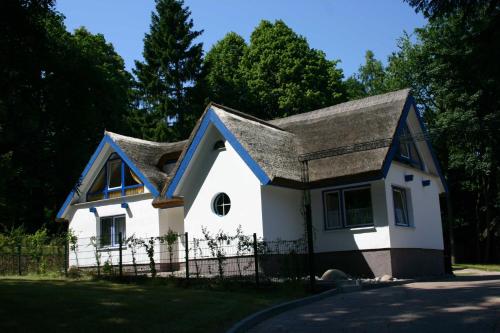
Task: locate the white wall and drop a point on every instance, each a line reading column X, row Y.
column 425, row 213
column 141, row 219
column 173, row 219
column 360, row 238
column 282, row 213
column 216, row 172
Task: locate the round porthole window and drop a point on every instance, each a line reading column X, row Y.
column 221, row 204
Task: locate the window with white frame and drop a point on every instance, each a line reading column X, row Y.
column 333, row 219
column 110, row 228
column 348, row 207
column 401, row 215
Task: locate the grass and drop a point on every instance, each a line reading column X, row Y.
column 483, row 267
column 36, row 304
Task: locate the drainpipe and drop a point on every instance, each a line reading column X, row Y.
column 308, row 220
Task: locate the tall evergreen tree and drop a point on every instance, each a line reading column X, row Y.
column 167, row 77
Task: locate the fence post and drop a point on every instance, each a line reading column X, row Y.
column 186, row 250
column 256, row 258
column 19, row 270
column 66, row 257
column 120, row 244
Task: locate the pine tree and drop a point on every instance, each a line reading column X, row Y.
column 166, row 79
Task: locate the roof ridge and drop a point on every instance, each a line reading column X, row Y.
column 349, row 105
column 114, row 135
column 246, row 116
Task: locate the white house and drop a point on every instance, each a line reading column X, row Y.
column 373, row 180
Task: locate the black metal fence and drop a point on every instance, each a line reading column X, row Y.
column 216, row 256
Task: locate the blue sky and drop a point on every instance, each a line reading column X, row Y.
column 343, row 29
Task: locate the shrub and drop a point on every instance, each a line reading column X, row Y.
column 74, row 272
column 170, row 238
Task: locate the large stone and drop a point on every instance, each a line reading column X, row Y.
column 386, row 278
column 333, row 275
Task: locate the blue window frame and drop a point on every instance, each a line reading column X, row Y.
column 349, row 207
column 114, row 180
column 407, row 150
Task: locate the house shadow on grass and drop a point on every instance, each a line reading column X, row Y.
column 39, row 305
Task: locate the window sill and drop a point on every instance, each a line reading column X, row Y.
column 405, row 226
column 369, row 227
column 127, row 198
column 111, row 248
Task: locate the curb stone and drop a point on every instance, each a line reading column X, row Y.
column 246, row 323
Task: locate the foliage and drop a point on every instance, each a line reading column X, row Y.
column 225, row 84
column 133, row 243
column 196, row 252
column 243, row 246
column 149, row 246
column 107, row 268
column 97, row 254
column 170, row 238
column 216, row 244
column 58, row 92
column 172, row 63
column 36, row 244
column 72, row 240
column 74, row 272
column 284, row 76
column 370, row 79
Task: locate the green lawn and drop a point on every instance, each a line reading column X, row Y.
column 483, row 267
column 37, row 304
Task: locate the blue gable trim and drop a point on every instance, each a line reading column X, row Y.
column 125, row 158
column 394, row 145
column 433, row 154
column 211, row 118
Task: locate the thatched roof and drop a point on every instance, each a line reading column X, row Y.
column 346, row 124
column 146, row 156
column 272, row 148
column 277, row 145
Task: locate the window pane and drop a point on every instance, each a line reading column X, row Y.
column 106, row 224
column 332, row 208
column 404, row 139
column 358, row 207
column 222, row 204
column 130, row 177
column 114, row 173
column 400, row 211
column 415, row 157
column 99, row 183
column 119, row 227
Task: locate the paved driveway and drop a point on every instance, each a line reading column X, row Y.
column 465, row 304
